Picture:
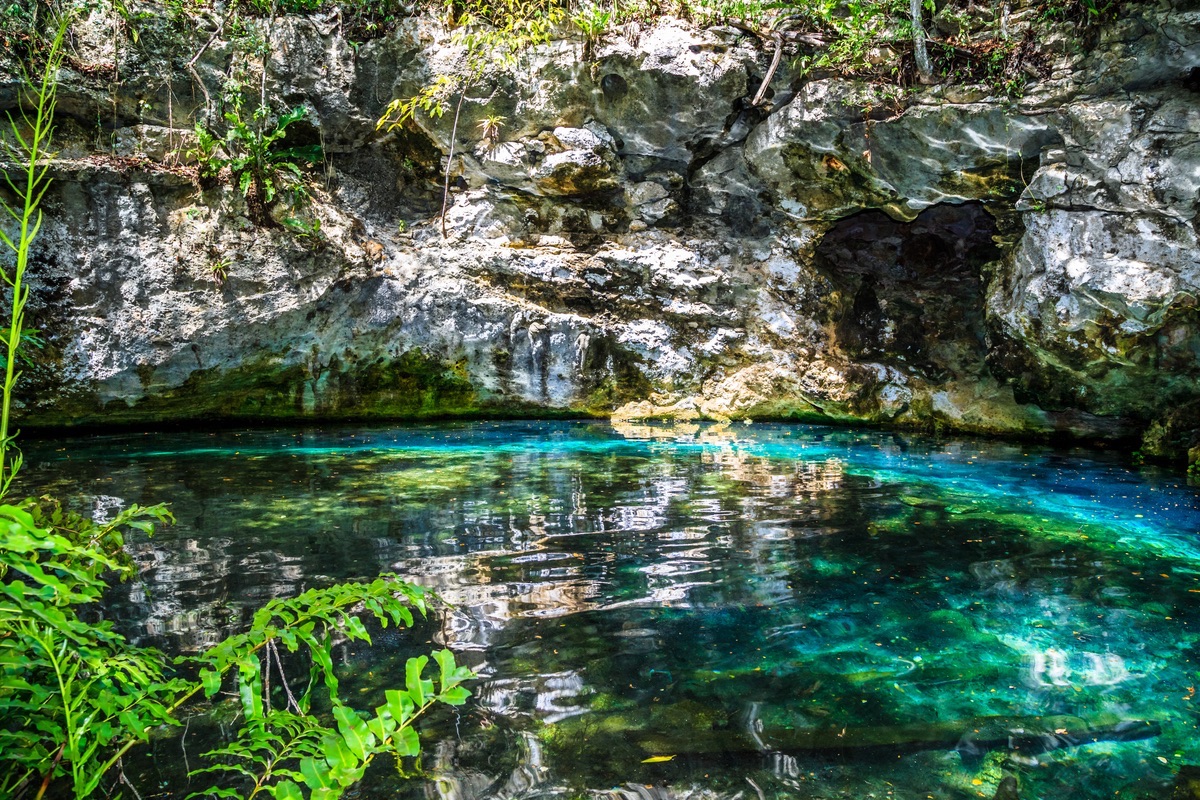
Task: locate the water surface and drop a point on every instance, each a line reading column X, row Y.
column 786, row 611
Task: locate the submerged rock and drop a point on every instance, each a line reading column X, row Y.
column 971, row 738
column 1007, row 790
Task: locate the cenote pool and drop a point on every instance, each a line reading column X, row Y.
column 785, row 611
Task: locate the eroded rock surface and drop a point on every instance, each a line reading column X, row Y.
column 639, row 240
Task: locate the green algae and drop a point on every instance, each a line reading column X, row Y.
column 412, row 386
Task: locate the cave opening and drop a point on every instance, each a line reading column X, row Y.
column 911, row 294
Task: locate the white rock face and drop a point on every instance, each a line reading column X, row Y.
column 636, row 237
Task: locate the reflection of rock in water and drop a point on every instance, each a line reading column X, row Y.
column 544, row 697
column 638, row 791
column 455, row 783
column 1055, row 667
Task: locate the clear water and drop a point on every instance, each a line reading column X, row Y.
column 787, row 611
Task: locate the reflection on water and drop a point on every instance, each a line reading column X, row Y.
column 785, row 611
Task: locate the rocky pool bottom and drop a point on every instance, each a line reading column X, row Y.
column 751, row 611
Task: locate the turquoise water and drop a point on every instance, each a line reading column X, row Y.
column 784, row 611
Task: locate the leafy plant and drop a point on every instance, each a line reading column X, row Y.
column 282, row 751
column 361, row 19
column 219, row 270
column 307, row 232
column 1084, row 12
column 489, row 130
column 206, row 153
column 493, row 34
column 259, row 163
column 30, row 142
column 593, row 21
column 257, row 159
column 75, row 696
column 69, row 688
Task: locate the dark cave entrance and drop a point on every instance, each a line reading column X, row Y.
column 912, row 293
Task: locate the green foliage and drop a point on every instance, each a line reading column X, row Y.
column 31, row 339
column 253, row 150
column 260, row 165
column 489, row 130
column 362, row 19
column 493, row 34
column 219, row 270
column 496, row 32
column 28, row 142
column 268, row 7
column 69, row 688
column 308, row 233
column 284, row 753
column 75, row 695
column 1003, row 66
column 864, row 25
column 206, row 153
column 1083, row 12
column 593, row 21
column 130, row 19
column 18, row 27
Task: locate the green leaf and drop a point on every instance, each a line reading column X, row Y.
column 287, row 790
column 311, row 153
column 399, row 704
column 354, row 731
column 455, row 696
column 210, row 679
column 418, row 689
column 295, row 115
column 407, row 743
column 451, row 674
column 250, row 687
column 383, row 724
column 316, row 773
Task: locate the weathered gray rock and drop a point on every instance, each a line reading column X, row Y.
column 638, row 239
column 822, row 159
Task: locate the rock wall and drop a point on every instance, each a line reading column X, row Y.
column 641, row 241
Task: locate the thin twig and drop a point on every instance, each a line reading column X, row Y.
column 191, row 65
column 266, row 679
column 274, row 651
column 125, row 780
column 183, row 746
column 50, row 774
column 450, row 159
column 266, row 58
column 762, row 90
column 173, row 156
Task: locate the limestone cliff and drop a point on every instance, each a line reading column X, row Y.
column 638, row 238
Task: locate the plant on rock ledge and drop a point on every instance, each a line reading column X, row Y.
column 260, row 165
